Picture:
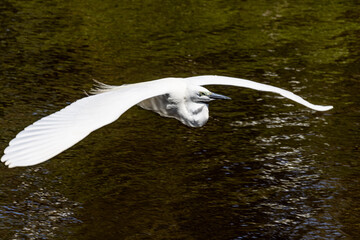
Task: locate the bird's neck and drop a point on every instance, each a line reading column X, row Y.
column 197, row 114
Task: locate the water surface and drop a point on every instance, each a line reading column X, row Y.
column 262, row 168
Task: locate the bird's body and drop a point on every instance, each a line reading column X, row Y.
column 181, row 98
column 190, row 114
column 179, row 105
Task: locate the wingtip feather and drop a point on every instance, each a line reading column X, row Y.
column 323, row 108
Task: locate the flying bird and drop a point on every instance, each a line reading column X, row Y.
column 184, row 99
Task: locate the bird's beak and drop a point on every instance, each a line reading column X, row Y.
column 214, row 96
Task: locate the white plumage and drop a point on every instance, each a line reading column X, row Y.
column 181, row 98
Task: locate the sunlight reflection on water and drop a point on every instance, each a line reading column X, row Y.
column 39, row 212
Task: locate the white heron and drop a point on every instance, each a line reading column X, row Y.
column 181, row 98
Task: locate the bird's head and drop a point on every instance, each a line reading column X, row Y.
column 202, row 95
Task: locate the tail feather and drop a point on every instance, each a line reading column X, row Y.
column 100, row 87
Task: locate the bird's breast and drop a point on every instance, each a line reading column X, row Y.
column 197, row 114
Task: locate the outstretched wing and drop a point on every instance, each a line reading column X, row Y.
column 59, row 131
column 238, row 82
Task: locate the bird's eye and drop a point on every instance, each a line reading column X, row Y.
column 202, row 94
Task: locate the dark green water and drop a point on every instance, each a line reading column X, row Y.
column 262, row 168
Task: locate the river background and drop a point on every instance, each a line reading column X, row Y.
column 262, row 168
